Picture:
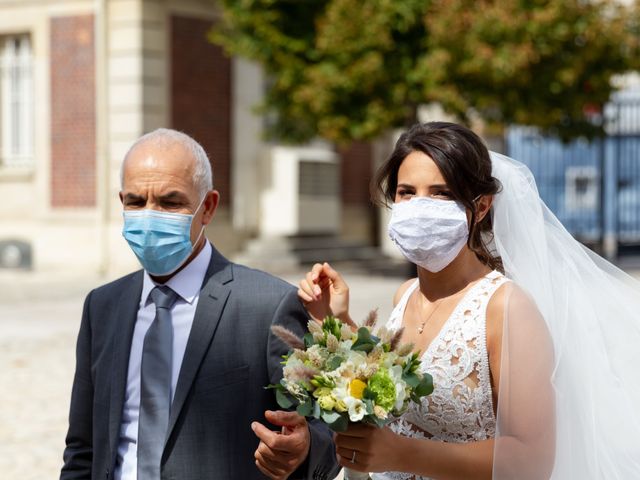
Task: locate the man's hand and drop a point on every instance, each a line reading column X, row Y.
column 279, row 454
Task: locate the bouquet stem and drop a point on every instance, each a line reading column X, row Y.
column 353, row 475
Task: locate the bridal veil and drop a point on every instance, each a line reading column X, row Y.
column 569, row 403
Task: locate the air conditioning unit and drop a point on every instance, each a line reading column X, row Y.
column 15, row 254
column 301, row 192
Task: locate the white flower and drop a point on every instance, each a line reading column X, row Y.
column 332, row 343
column 356, row 408
column 401, row 387
column 314, row 327
column 345, row 332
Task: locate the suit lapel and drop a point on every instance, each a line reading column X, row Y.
column 124, row 322
column 213, row 298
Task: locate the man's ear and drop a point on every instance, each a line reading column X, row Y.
column 210, row 205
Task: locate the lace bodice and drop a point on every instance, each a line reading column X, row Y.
column 460, row 409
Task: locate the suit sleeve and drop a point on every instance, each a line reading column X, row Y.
column 321, row 463
column 78, row 453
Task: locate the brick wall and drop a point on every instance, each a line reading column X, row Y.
column 201, row 95
column 73, row 129
column 356, row 173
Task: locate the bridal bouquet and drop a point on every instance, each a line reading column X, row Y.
column 341, row 376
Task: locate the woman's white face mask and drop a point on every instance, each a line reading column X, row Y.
column 429, row 232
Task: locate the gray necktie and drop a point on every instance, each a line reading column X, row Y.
column 155, row 385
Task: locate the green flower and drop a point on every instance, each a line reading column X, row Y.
column 383, row 389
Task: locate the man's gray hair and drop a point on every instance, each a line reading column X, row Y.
column 166, row 137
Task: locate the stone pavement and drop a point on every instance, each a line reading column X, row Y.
column 39, row 320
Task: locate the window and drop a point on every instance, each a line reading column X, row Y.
column 16, row 101
column 582, row 188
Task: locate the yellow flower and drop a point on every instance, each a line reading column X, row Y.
column 321, row 392
column 356, row 388
column 341, row 406
column 327, row 402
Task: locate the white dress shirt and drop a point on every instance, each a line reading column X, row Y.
column 186, row 284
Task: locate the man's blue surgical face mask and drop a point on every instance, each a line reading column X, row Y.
column 160, row 240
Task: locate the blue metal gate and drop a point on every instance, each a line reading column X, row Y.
column 623, row 130
column 592, row 187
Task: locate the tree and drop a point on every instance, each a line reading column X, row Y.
column 351, row 69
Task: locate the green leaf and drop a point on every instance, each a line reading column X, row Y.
column 368, row 403
column 283, row 400
column 425, row 387
column 308, row 340
column 334, row 362
column 338, row 422
column 365, row 342
column 317, row 411
column 378, row 422
column 305, row 409
column 368, row 394
column 412, row 379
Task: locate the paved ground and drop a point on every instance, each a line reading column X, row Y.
column 38, row 324
column 39, row 320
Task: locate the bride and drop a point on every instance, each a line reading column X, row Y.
column 532, row 340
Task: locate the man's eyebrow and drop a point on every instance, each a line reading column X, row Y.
column 173, row 195
column 133, row 197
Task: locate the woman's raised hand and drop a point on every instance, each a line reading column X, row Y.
column 323, row 292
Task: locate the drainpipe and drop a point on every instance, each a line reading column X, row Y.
column 103, row 175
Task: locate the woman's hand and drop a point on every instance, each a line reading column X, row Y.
column 323, row 292
column 366, row 448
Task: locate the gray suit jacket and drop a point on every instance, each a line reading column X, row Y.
column 231, row 356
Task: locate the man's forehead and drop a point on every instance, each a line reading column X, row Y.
column 160, row 157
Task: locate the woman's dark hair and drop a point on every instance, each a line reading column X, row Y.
column 463, row 159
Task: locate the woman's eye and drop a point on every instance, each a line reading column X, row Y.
column 443, row 194
column 404, row 193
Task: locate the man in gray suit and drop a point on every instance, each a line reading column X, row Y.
column 172, row 360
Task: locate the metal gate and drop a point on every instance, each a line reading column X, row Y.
column 593, row 187
column 623, row 138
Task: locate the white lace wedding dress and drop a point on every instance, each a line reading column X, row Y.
column 460, row 409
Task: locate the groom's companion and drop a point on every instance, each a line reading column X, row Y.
column 172, row 360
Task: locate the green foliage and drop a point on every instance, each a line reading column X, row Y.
column 383, row 389
column 365, row 341
column 349, row 70
column 331, row 325
column 338, row 422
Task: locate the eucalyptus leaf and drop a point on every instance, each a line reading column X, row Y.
column 368, row 403
column 334, row 362
column 329, row 416
column 364, row 342
column 412, row 379
column 283, row 400
column 308, row 340
column 425, row 387
column 305, row 409
column 338, row 422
